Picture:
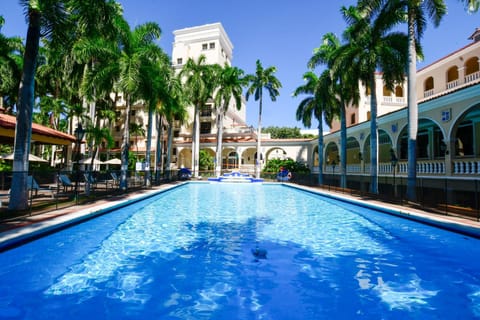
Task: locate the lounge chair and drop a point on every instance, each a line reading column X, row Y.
column 33, row 185
column 66, row 182
column 90, row 179
column 115, row 178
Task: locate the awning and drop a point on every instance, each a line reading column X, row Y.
column 40, row 134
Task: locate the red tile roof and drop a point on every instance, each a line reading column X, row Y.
column 9, row 122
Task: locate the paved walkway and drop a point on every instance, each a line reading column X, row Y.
column 20, row 229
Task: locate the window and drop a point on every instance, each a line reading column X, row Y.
column 212, row 45
column 179, row 61
column 176, row 133
column 205, row 127
column 117, row 128
column 352, row 119
column 204, row 46
column 132, row 113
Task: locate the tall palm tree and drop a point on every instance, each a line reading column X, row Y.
column 171, row 109
column 138, row 56
column 199, row 86
column 45, row 18
column 417, row 14
column 320, row 102
column 373, row 46
column 416, row 25
column 153, row 92
column 230, row 87
column 263, row 78
column 344, row 87
column 136, row 130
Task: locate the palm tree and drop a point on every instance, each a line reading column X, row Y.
column 262, row 79
column 230, row 87
column 344, row 88
column 153, row 92
column 199, row 85
column 416, row 26
column 138, row 56
column 372, row 45
column 320, row 102
column 45, row 18
column 136, row 130
column 171, row 109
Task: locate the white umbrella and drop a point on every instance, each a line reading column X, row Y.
column 31, row 158
column 113, row 161
column 89, row 161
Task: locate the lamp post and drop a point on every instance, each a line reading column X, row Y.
column 394, row 161
column 79, row 133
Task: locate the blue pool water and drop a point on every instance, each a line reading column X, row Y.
column 186, row 254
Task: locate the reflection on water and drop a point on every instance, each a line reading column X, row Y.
column 187, row 254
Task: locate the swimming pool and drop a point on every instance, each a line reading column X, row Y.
column 187, row 254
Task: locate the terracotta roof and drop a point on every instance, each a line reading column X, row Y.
column 9, row 122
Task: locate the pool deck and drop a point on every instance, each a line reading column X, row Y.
column 20, row 230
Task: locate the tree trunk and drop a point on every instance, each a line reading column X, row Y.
column 373, row 137
column 158, row 154
column 23, row 130
column 148, row 181
column 258, row 163
column 218, row 155
column 343, row 146
column 412, row 109
column 195, row 140
column 169, row 149
column 320, row 152
column 125, row 146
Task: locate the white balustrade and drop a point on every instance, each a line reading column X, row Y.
column 452, row 84
column 428, row 93
column 472, row 77
column 465, row 166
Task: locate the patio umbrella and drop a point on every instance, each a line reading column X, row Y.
column 89, row 161
column 113, row 161
column 31, row 158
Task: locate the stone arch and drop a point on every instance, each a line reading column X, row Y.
column 399, row 91
column 385, row 144
column 353, row 151
column 276, row 153
column 230, row 159
column 184, row 158
column 249, row 156
column 465, row 133
column 428, row 84
column 332, row 154
column 315, row 157
column 471, row 66
column 430, row 141
column 452, row 74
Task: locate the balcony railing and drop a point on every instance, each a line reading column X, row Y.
column 469, row 167
column 430, row 167
column 428, row 93
column 452, row 84
column 472, row 77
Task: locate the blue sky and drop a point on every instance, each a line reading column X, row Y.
column 279, row 33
